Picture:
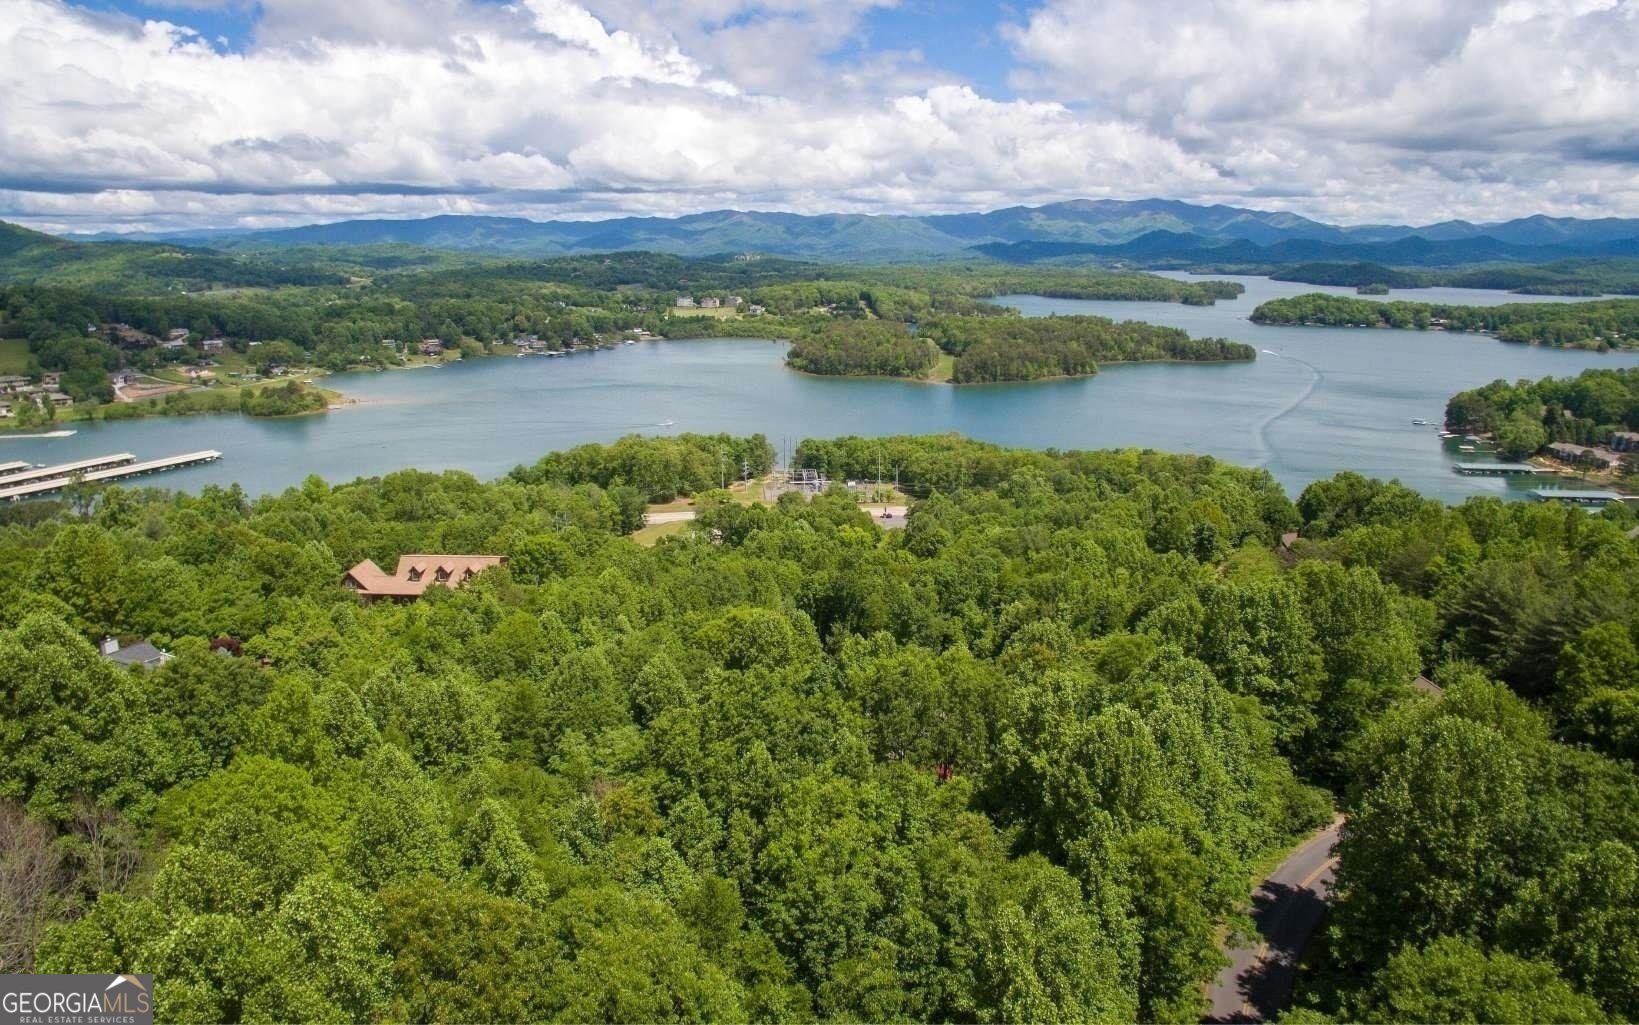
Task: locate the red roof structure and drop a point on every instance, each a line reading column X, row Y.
column 415, row 574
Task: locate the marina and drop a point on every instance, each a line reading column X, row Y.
column 44, row 473
column 47, row 480
column 1498, row 469
column 1575, row 496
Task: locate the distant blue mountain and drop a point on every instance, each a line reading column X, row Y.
column 1411, row 251
column 1146, row 228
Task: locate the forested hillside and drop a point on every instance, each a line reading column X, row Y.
column 1017, row 762
column 1602, row 325
column 1000, row 348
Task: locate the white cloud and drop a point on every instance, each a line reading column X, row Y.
column 1381, row 111
column 1389, row 107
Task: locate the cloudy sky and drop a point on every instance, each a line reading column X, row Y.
column 131, row 114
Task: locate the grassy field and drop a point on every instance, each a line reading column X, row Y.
column 944, row 370
column 13, row 355
column 721, row 312
column 647, row 536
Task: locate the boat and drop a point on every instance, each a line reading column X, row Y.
column 1421, row 423
column 667, row 423
column 46, row 434
column 1465, row 448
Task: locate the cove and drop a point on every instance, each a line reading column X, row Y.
column 1329, row 399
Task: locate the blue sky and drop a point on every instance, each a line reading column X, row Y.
column 958, row 36
column 295, row 111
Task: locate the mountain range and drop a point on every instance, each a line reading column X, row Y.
column 1148, row 229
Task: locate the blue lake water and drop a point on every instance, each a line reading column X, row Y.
column 1326, row 400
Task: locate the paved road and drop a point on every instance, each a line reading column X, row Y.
column 1286, row 908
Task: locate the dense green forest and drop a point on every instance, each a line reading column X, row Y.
column 1009, row 348
column 1600, row 325
column 1526, row 415
column 29, row 257
column 1016, row 762
column 1028, row 348
column 863, row 349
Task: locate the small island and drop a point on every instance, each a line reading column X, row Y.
column 985, row 350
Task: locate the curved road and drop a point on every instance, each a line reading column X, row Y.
column 1286, row 908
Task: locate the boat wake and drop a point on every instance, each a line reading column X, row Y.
column 47, row 434
column 1315, row 377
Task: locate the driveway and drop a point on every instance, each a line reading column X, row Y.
column 1286, row 908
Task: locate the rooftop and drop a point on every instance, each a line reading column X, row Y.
column 416, row 573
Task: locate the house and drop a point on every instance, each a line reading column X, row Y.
column 754, row 310
column 734, row 300
column 11, row 384
column 214, row 344
column 416, row 573
column 198, row 372
column 60, row 400
column 141, row 654
column 1427, row 686
column 176, row 334
column 1625, row 441
column 174, row 343
column 391, row 343
column 1583, row 455
column 432, row 347
column 710, row 302
column 129, row 337
column 684, row 302
column 51, row 380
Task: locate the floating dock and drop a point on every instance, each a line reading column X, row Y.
column 1576, row 497
column 110, row 468
column 34, row 474
column 1498, row 469
column 17, row 467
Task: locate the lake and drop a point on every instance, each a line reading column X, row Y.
column 1328, row 399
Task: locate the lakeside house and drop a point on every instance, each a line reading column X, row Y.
column 432, row 347
column 684, row 302
column 414, row 574
column 173, row 343
column 755, row 310
column 710, row 302
column 142, row 654
column 1584, row 455
column 176, row 334
column 1625, row 441
column 214, row 344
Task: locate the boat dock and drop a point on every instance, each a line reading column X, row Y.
column 18, row 466
column 1498, row 469
column 44, row 473
column 1574, row 496
column 97, row 471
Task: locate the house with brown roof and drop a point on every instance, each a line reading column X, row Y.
column 415, row 573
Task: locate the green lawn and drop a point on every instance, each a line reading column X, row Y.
column 943, row 370
column 647, row 536
column 13, row 355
